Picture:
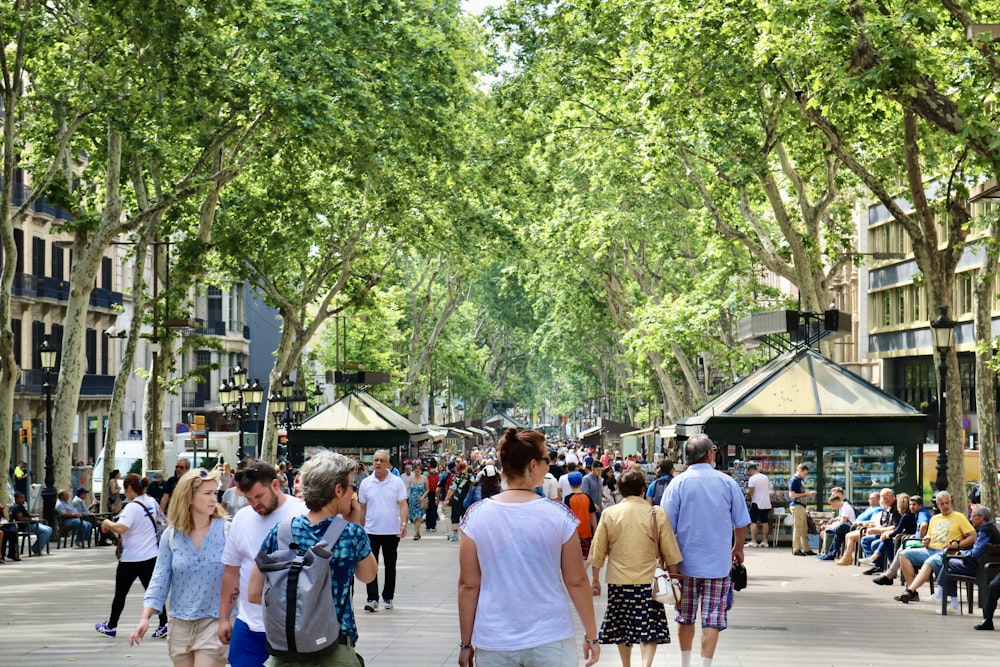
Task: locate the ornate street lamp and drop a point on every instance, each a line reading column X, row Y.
column 289, row 407
column 240, row 400
column 48, row 353
column 943, row 334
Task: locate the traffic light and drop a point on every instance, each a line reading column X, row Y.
column 198, row 431
column 26, row 432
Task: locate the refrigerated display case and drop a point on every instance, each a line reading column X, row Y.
column 859, row 471
column 779, row 464
column 872, row 469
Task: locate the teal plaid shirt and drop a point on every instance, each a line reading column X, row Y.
column 353, row 546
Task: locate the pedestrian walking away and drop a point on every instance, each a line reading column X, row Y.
column 520, row 551
column 189, row 569
column 626, row 539
column 433, row 477
column 267, row 505
column 759, row 490
column 705, row 507
column 139, row 546
column 328, row 491
column 384, row 511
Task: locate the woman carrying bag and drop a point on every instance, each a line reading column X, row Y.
column 625, row 538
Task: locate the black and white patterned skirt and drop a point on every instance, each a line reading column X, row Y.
column 632, row 617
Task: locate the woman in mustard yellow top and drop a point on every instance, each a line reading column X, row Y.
column 625, row 538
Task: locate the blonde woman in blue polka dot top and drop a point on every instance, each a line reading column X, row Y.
column 189, row 568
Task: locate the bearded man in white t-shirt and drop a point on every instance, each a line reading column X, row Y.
column 267, row 505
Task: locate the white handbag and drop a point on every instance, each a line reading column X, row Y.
column 665, row 588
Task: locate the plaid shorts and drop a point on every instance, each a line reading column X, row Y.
column 711, row 596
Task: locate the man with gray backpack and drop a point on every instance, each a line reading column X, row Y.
column 303, row 560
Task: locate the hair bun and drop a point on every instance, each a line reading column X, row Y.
column 511, row 432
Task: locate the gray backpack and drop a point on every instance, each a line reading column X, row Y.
column 299, row 617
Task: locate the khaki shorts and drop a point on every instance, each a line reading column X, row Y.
column 200, row 636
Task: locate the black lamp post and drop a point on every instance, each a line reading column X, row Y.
column 289, row 407
column 240, row 399
column 48, row 353
column 943, row 333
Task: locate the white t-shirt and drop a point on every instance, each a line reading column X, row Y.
column 847, row 511
column 571, row 457
column 381, row 501
column 139, row 541
column 760, row 490
column 526, row 538
column 246, row 535
column 550, row 487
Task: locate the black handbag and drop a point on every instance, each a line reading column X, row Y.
column 739, row 576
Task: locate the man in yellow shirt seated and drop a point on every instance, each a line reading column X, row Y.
column 947, row 530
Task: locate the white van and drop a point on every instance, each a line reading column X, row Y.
column 221, row 448
column 128, row 458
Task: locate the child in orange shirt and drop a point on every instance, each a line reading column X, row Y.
column 583, row 507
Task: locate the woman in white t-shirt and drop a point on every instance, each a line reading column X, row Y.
column 136, row 526
column 521, row 551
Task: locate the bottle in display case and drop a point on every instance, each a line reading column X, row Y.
column 872, row 469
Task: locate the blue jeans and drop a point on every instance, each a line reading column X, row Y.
column 83, row 528
column 44, row 533
column 957, row 568
column 246, row 647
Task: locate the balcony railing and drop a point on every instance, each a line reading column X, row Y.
column 53, row 288
column 194, row 399
column 31, row 381
column 25, row 284
column 216, row 328
column 97, row 385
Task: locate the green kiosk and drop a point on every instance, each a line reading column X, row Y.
column 803, row 408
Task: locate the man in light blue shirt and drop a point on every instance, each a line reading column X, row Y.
column 704, row 507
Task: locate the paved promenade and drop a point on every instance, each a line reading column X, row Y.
column 796, row 611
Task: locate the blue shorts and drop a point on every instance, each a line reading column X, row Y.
column 921, row 555
column 246, row 647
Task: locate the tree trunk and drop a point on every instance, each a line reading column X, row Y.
column 676, row 407
column 88, row 250
column 986, row 408
column 125, row 367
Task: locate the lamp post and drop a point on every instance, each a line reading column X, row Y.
column 289, row 407
column 240, row 400
column 943, row 333
column 48, row 353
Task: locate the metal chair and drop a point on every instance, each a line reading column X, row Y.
column 988, row 565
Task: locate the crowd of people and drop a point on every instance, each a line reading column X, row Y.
column 562, row 514
column 574, row 523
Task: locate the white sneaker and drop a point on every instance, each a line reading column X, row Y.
column 762, row 545
column 387, row 604
column 372, row 606
column 749, row 545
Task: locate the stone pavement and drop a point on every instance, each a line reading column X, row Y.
column 796, row 611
